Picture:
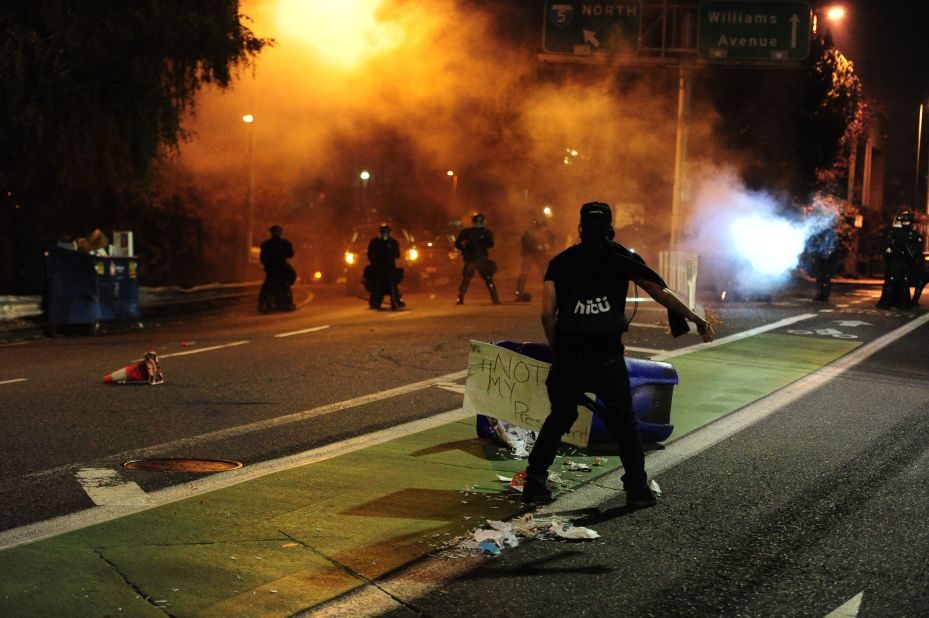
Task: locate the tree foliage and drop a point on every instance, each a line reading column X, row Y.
column 93, row 90
column 790, row 126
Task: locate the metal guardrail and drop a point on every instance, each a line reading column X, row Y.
column 18, row 307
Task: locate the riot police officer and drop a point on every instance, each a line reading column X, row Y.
column 279, row 274
column 535, row 249
column 381, row 275
column 902, row 261
column 821, row 254
column 474, row 243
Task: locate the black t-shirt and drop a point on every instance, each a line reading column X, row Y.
column 598, row 263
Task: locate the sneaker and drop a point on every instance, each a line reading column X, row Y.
column 642, row 499
column 536, row 493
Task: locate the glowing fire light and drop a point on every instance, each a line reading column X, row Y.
column 547, row 211
column 350, row 257
column 341, row 32
column 317, row 275
column 412, row 255
column 248, row 118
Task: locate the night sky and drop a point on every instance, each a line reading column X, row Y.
column 889, row 44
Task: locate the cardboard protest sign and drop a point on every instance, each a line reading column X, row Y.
column 510, row 386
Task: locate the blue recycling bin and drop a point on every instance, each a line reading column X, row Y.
column 81, row 288
column 652, row 385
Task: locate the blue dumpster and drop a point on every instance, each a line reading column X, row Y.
column 652, row 387
column 81, row 288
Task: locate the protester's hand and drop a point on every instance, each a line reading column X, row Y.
column 706, row 331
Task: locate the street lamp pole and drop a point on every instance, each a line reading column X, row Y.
column 249, row 119
column 919, row 142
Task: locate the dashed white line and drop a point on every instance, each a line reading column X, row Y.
column 207, row 349
column 13, row 381
column 304, row 331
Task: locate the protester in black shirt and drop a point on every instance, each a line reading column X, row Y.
column 583, row 305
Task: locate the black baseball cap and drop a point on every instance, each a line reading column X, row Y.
column 596, row 214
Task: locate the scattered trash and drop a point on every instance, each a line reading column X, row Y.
column 146, row 371
column 290, row 545
column 518, row 439
column 518, row 481
column 576, row 467
column 187, row 344
column 599, row 461
column 653, row 485
column 566, row 530
column 504, row 479
column 489, row 547
column 507, row 534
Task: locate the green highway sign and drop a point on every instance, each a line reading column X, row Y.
column 583, row 28
column 749, row 30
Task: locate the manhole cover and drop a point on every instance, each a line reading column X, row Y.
column 166, row 464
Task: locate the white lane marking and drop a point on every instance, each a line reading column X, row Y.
column 231, row 432
column 653, row 351
column 13, row 381
column 640, row 325
column 305, row 330
column 676, row 452
column 709, row 435
column 105, row 487
column 451, row 386
column 743, row 335
column 397, row 314
column 207, row 349
column 849, row 609
column 99, row 514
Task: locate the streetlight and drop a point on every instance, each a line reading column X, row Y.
column 249, row 119
column 835, row 13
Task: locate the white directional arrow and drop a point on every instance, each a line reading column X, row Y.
column 794, row 20
column 849, row 609
column 853, row 323
column 590, row 37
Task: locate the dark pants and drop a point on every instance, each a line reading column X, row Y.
column 486, row 269
column 275, row 294
column 605, row 375
column 384, row 283
column 896, row 289
column 528, row 262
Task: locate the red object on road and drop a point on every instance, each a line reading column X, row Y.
column 146, row 371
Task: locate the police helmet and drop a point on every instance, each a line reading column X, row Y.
column 903, row 219
column 275, row 229
column 477, row 219
column 384, row 229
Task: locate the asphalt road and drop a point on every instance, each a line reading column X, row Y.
column 251, row 387
column 818, row 506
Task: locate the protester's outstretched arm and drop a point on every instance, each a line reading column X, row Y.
column 549, row 305
column 669, row 300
